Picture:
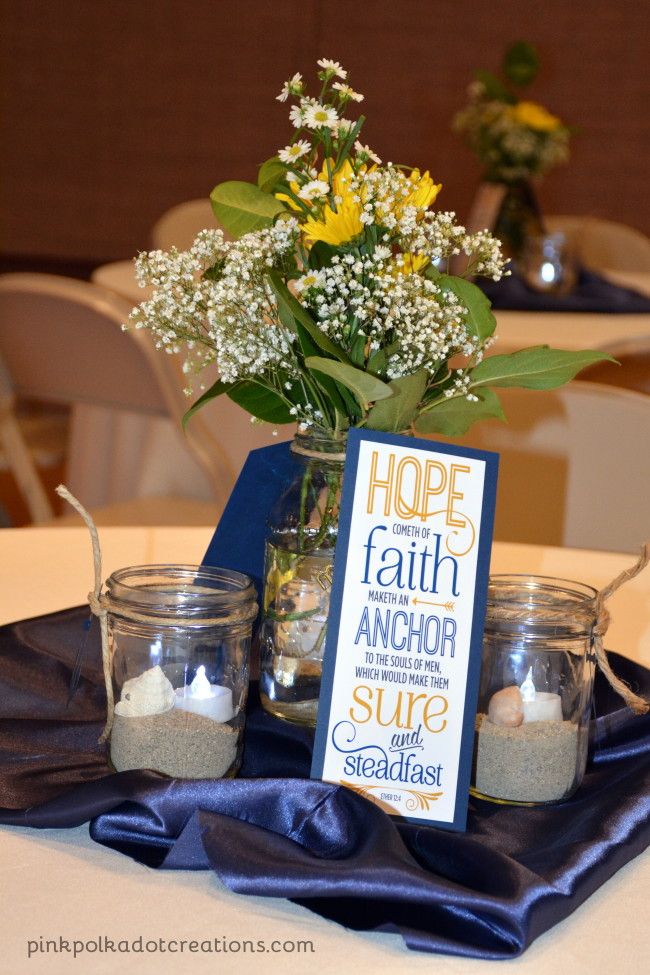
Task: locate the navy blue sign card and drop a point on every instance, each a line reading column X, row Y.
column 405, row 626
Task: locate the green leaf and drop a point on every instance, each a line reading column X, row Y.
column 379, row 358
column 321, row 255
column 454, row 417
column 344, row 149
column 270, row 174
column 377, row 361
column 260, row 401
column 395, row 414
column 365, row 387
column 290, row 307
column 494, row 89
column 215, row 272
column 539, row 367
column 339, row 396
column 243, row 207
column 521, row 64
column 479, row 321
column 217, row 389
column 307, row 345
column 432, row 273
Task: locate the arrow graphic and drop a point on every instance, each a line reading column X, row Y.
column 449, row 605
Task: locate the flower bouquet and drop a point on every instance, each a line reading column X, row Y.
column 516, row 140
column 334, row 307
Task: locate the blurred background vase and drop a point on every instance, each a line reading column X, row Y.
column 548, row 264
column 519, row 217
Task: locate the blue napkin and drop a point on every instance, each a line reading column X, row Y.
column 592, row 293
column 238, row 542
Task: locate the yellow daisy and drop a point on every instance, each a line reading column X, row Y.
column 410, row 264
column 340, row 225
column 423, row 193
column 535, row 117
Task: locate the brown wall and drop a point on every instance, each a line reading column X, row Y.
column 114, row 111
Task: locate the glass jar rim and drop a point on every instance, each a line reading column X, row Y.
column 182, row 591
column 539, row 606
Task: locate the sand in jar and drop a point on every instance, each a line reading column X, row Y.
column 534, row 762
column 157, row 727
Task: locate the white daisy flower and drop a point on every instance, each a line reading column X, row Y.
column 334, row 67
column 345, row 126
column 313, row 279
column 291, row 87
column 346, row 92
column 290, row 153
column 367, row 152
column 321, row 117
column 295, row 116
column 313, row 189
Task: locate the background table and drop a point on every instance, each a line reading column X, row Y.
column 59, row 883
column 566, row 330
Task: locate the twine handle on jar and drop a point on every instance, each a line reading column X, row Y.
column 97, row 604
column 319, row 454
column 100, row 606
column 636, row 703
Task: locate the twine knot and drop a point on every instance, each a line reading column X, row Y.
column 603, row 618
column 97, row 604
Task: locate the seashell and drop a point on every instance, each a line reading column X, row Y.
column 150, row 693
column 506, row 707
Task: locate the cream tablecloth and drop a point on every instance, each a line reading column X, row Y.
column 59, row 883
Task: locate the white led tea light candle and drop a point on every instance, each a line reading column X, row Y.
column 202, row 697
column 539, row 705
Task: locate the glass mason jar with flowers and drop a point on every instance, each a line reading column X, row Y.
column 516, row 140
column 334, row 307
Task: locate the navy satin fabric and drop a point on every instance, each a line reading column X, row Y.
column 486, row 893
column 591, row 293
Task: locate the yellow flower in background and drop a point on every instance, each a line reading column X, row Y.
column 340, row 225
column 535, row 117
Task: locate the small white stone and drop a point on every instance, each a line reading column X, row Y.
column 506, row 707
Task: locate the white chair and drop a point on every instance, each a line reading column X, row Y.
column 61, row 341
column 604, row 244
column 179, row 226
column 18, row 456
column 574, row 467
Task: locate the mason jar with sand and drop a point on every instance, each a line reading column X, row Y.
column 179, row 638
column 535, row 690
